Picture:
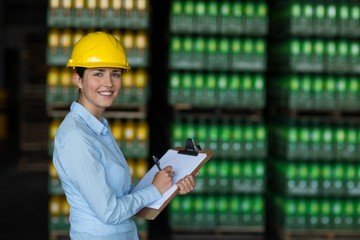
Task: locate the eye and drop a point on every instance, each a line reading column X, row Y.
column 98, row 74
column 116, row 74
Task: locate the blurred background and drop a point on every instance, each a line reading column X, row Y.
column 271, row 87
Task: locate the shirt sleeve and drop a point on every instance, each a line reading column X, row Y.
column 87, row 172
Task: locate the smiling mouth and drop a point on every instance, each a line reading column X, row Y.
column 107, row 93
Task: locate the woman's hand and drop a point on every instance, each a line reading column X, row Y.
column 163, row 179
column 187, row 184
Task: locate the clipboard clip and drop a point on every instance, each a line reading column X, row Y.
column 190, row 148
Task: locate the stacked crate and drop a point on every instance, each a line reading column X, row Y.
column 216, row 87
column 127, row 20
column 314, row 94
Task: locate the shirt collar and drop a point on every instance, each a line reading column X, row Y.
column 97, row 126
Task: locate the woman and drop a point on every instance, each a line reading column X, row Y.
column 92, row 169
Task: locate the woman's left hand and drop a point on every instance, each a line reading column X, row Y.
column 187, row 184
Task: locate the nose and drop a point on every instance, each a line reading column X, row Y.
column 108, row 81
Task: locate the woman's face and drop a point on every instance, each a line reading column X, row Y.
column 99, row 88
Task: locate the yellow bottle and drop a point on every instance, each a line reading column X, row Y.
column 142, row 131
column 55, row 209
column 128, row 41
column 132, row 166
column 141, row 41
column 66, row 85
column 129, row 131
column 54, row 4
column 54, row 38
column 52, row 80
column 127, row 86
column 52, row 171
column 141, row 168
column 66, row 4
column 53, row 127
column 117, row 130
column 77, row 35
column 65, row 210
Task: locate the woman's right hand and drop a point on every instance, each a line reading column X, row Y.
column 163, row 179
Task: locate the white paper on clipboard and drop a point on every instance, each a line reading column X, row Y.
column 182, row 165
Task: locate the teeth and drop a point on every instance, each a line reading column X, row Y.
column 105, row 93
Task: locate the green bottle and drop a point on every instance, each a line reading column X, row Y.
column 349, row 214
column 338, row 179
column 189, row 16
column 237, row 17
column 234, row 211
column 177, row 135
column 200, row 18
column 352, row 90
column 210, row 210
column 262, row 17
column 301, row 213
column 187, row 211
column 304, row 137
column 336, row 214
column 199, row 89
column 308, row 18
column 340, row 143
column 329, row 102
column 176, row 16
column 174, row 88
column 328, row 149
column 233, row 90
column 224, row 138
column 344, row 24
column 350, row 180
column 225, row 23
column 331, row 55
column 245, row 210
column 175, row 212
column 237, row 54
column 198, row 210
column 314, row 179
column 237, row 176
column 290, row 213
column 354, row 57
column 249, row 16
column 176, row 55
column 223, row 54
column 210, row 90
column 211, row 175
column 319, row 19
column 355, row 20
column 342, row 50
column 317, row 91
column 212, row 53
column 293, row 142
column 350, row 143
column 258, row 91
column 327, row 180
column 313, row 213
column 341, row 93
column 296, row 18
column 306, row 92
column 246, row 87
column 223, row 177
column 222, row 86
column 249, row 137
column 294, row 95
column 212, row 16
column 237, row 144
column 198, row 58
column 331, row 18
column 222, row 216
column 186, row 96
column 325, row 212
column 187, row 52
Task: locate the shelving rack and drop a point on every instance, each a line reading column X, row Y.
column 127, row 20
column 313, row 107
column 216, row 88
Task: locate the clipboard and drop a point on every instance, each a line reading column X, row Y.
column 187, row 153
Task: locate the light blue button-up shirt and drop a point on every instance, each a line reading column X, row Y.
column 96, row 179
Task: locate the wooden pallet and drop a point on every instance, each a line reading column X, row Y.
column 219, row 233
column 317, row 234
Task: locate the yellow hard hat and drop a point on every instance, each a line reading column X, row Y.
column 98, row 49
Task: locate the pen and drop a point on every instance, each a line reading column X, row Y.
column 157, row 163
